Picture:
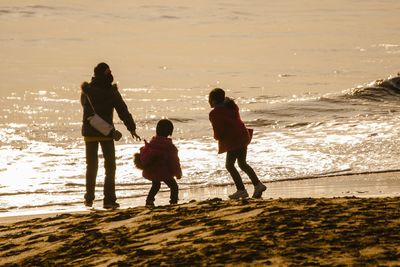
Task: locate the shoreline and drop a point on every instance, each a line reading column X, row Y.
column 377, row 184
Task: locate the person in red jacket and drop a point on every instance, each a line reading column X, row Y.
column 160, row 162
column 233, row 137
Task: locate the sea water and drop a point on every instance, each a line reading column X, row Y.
column 321, row 99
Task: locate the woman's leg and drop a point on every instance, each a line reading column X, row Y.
column 231, row 157
column 241, row 157
column 91, row 149
column 155, row 187
column 108, row 149
column 173, row 186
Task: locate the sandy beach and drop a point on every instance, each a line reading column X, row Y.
column 294, row 229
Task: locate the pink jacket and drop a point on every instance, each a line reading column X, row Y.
column 160, row 156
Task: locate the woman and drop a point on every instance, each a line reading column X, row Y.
column 101, row 96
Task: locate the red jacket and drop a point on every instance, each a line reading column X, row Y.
column 229, row 128
column 160, row 156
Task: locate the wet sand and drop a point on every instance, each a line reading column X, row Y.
column 383, row 184
column 294, row 230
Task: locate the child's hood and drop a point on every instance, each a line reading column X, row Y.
column 159, row 144
column 229, row 103
column 227, row 106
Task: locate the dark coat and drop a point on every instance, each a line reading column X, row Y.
column 161, row 157
column 228, row 127
column 104, row 99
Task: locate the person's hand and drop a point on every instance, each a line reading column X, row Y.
column 135, row 136
column 116, row 135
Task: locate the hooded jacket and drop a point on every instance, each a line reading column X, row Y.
column 105, row 98
column 160, row 158
column 228, row 127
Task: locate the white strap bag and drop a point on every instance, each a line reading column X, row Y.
column 98, row 123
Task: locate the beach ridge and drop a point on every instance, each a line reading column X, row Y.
column 294, row 231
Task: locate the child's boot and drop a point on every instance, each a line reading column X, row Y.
column 150, row 204
column 258, row 190
column 239, row 194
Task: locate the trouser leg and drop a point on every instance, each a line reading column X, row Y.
column 108, row 149
column 231, row 157
column 241, row 157
column 91, row 149
column 173, row 186
column 155, row 187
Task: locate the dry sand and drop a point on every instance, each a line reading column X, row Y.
column 291, row 231
column 305, row 231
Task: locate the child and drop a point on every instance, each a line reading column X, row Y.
column 160, row 162
column 233, row 138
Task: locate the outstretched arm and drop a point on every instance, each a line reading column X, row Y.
column 124, row 114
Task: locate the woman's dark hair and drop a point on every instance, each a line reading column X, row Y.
column 218, row 95
column 100, row 69
column 164, row 128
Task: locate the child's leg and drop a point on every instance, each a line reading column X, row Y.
column 259, row 187
column 173, row 186
column 155, row 187
column 241, row 156
column 231, row 157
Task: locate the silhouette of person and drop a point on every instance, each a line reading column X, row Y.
column 233, row 137
column 102, row 96
column 160, row 162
